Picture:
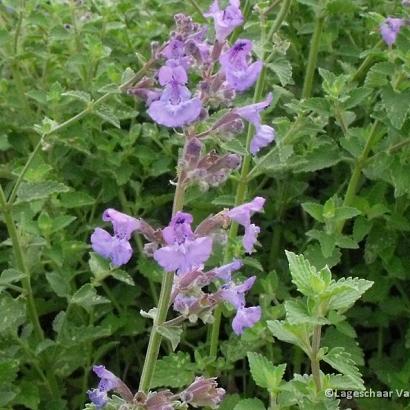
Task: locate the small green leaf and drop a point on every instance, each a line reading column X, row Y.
column 295, row 334
column 250, row 404
column 264, row 373
column 123, row 276
column 172, row 333
column 340, row 360
column 314, row 210
column 175, row 370
column 87, row 297
column 396, row 105
column 76, row 199
column 106, row 113
column 283, row 69
column 78, row 95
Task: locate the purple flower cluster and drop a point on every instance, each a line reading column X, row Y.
column 202, row 392
column 172, row 104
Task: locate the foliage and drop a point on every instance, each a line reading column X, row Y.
column 337, row 184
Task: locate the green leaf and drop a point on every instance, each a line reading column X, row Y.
column 297, row 313
column 76, row 199
column 295, row 334
column 250, row 404
column 314, row 210
column 377, row 76
column 301, row 271
column 29, row 395
column 234, row 145
column 172, row 333
column 175, row 370
column 396, row 105
column 99, row 266
column 13, row 314
column 39, row 190
column 283, row 69
column 340, row 360
column 264, row 373
column 59, row 284
column 87, row 297
column 345, row 212
column 9, row 276
column 106, row 113
column 123, row 276
column 78, row 95
column 346, row 291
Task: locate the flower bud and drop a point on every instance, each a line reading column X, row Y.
column 203, row 392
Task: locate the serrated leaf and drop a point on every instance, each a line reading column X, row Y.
column 58, row 283
column 235, row 146
column 106, row 113
column 283, row 69
column 250, row 404
column 297, row 313
column 172, row 333
column 314, row 210
column 396, row 105
column 123, row 276
column 264, row 373
column 76, row 199
column 301, row 271
column 99, row 266
column 345, row 212
column 78, row 95
column 175, row 370
column 39, row 190
column 87, row 297
column 9, row 276
column 294, row 334
column 346, row 291
column 13, row 314
column 341, row 360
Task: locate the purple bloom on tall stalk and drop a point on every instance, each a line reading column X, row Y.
column 242, row 215
column 184, row 251
column 390, row 29
column 225, row 20
column 175, row 108
column 264, row 134
column 239, row 73
column 117, row 247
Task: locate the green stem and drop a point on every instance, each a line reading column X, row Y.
column 367, row 62
column 357, row 172
column 21, row 264
column 164, row 299
column 241, row 189
column 314, row 360
column 313, row 55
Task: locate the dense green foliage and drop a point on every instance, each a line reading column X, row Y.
column 337, row 184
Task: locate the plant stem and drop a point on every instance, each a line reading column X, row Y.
column 241, row 189
column 314, row 360
column 367, row 62
column 21, row 264
column 357, row 172
column 313, row 54
column 164, row 298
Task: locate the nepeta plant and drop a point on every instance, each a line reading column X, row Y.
column 181, row 251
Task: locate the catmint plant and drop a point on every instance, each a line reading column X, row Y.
column 182, row 249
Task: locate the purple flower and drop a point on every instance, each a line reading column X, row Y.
column 225, row 20
column 108, row 382
column 203, row 392
column 242, row 215
column 245, row 317
column 175, row 108
column 235, row 294
column 184, row 251
column 239, row 74
column 98, row 397
column 264, row 134
column 390, row 29
column 224, row 272
column 116, row 247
